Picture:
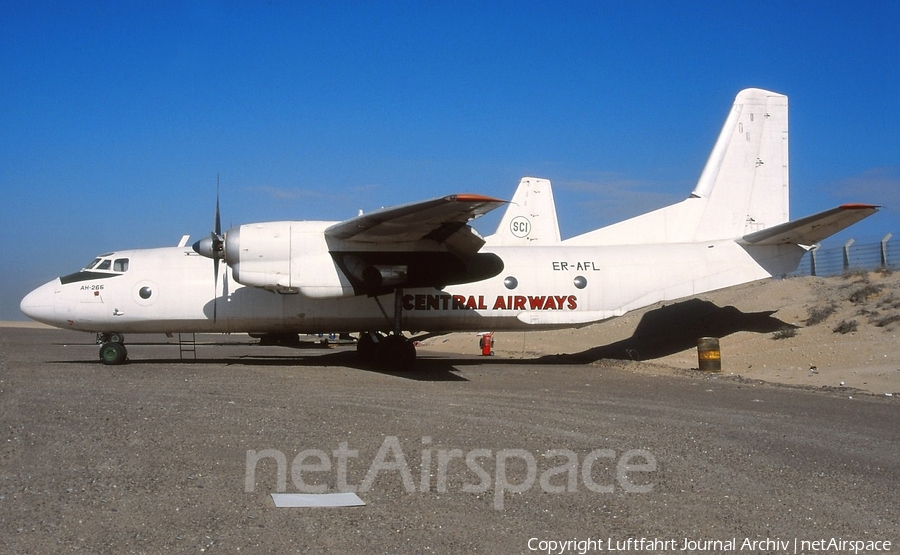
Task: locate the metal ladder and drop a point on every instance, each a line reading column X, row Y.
column 187, row 345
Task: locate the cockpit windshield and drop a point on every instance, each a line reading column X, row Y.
column 102, row 267
column 106, row 263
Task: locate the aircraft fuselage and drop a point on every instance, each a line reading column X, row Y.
column 171, row 290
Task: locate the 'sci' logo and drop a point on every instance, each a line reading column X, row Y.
column 520, row 226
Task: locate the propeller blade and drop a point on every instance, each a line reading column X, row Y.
column 213, row 247
column 218, row 227
column 215, row 288
column 217, row 247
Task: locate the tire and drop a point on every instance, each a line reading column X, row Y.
column 396, row 353
column 366, row 347
column 113, row 353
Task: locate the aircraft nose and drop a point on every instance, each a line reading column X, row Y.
column 39, row 304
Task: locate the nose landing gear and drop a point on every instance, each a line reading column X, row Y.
column 112, row 348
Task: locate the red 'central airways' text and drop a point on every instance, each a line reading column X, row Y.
column 479, row 302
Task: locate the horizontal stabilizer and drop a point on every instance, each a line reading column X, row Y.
column 811, row 229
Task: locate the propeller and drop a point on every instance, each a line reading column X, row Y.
column 213, row 247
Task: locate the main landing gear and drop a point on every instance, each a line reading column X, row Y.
column 112, row 348
column 394, row 351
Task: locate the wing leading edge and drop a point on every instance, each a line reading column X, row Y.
column 442, row 220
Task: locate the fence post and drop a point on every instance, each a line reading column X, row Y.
column 812, row 259
column 884, row 242
column 847, row 254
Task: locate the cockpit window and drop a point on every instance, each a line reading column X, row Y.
column 104, row 263
column 102, row 267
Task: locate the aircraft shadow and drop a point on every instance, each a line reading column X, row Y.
column 426, row 369
column 435, row 369
column 675, row 328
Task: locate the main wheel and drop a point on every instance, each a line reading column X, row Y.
column 396, row 353
column 113, row 353
column 366, row 347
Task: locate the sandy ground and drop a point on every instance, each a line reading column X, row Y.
column 26, row 325
column 764, row 329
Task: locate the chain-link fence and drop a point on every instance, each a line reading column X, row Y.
column 852, row 256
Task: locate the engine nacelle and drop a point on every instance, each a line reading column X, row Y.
column 376, row 276
column 298, row 257
column 286, row 257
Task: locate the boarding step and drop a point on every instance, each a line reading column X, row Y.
column 187, row 346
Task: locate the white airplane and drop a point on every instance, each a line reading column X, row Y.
column 420, row 266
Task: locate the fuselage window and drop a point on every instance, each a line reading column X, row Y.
column 120, row 265
column 104, row 265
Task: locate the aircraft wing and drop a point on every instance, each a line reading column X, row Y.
column 811, row 229
column 442, row 220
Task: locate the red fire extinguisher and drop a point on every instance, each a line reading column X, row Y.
column 486, row 344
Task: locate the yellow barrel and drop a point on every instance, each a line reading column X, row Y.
column 709, row 355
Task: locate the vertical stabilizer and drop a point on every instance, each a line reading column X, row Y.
column 530, row 218
column 746, row 177
column 743, row 188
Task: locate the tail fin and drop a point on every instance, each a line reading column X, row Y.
column 530, row 218
column 743, row 187
column 746, row 177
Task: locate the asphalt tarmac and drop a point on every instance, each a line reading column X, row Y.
column 465, row 455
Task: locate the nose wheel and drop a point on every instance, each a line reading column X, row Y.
column 112, row 348
column 113, row 353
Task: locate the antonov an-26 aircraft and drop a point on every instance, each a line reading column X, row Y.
column 421, row 267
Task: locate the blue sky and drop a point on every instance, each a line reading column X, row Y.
column 116, row 117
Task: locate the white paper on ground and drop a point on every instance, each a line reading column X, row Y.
column 316, row 500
